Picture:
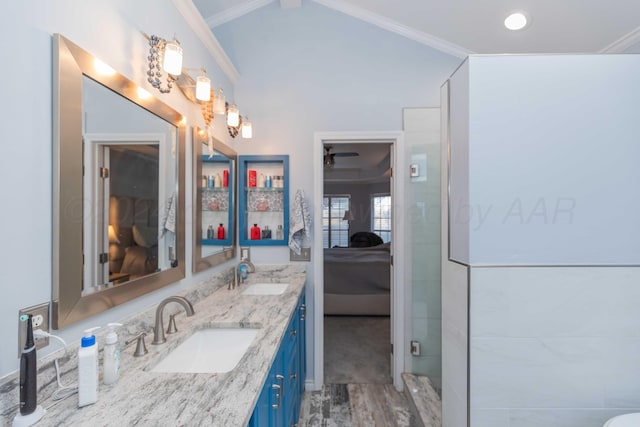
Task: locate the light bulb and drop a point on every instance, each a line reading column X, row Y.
column 247, row 129
column 172, row 62
column 219, row 103
column 203, row 88
column 233, row 116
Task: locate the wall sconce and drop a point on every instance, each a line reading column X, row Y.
column 247, row 129
column 233, row 116
column 203, row 87
column 219, row 102
column 348, row 216
column 163, row 56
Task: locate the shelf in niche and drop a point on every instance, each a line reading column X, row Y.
column 215, row 210
column 264, row 211
column 265, row 189
column 216, row 189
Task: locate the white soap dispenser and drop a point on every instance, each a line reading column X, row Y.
column 88, row 369
column 111, row 355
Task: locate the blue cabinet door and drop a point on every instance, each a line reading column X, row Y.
column 279, row 401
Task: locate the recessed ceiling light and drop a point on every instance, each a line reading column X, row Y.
column 516, row 21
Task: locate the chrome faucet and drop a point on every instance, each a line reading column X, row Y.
column 237, row 279
column 158, row 330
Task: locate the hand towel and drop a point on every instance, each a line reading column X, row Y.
column 300, row 223
column 169, row 217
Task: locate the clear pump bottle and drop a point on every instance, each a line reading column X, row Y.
column 111, row 356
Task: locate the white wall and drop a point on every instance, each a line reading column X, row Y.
column 112, row 31
column 553, row 150
column 313, row 69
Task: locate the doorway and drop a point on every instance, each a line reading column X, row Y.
column 329, row 150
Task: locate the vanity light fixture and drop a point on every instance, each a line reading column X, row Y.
column 163, row 57
column 219, row 102
column 233, row 116
column 247, row 129
column 516, row 21
column 203, row 87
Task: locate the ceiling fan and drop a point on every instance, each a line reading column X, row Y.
column 329, row 157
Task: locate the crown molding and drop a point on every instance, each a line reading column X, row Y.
column 235, row 12
column 623, row 43
column 191, row 14
column 396, row 27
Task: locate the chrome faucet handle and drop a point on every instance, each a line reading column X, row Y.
column 141, row 347
column 172, row 328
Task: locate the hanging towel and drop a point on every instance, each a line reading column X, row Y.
column 300, row 228
column 169, row 217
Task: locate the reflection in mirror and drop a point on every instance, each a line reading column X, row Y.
column 128, row 176
column 118, row 188
column 214, row 184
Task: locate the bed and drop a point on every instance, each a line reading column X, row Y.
column 357, row 281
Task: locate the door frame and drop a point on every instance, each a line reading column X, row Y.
column 400, row 305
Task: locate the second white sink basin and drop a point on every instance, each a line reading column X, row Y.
column 214, row 350
column 265, row 289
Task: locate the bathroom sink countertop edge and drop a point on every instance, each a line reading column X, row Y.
column 143, row 397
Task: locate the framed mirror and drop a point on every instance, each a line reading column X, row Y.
column 118, row 211
column 214, row 196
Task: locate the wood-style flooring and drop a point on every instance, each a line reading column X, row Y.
column 356, row 405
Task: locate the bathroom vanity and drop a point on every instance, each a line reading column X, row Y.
column 243, row 396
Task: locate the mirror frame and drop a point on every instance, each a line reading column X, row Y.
column 199, row 262
column 70, row 63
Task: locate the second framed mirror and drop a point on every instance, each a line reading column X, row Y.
column 214, row 201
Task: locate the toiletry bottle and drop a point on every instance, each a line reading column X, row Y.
column 261, row 181
column 255, row 232
column 210, row 232
column 225, row 178
column 252, row 178
column 268, row 181
column 28, row 371
column 279, row 232
column 88, row 369
column 216, row 181
column 205, row 181
column 266, row 232
column 111, row 356
column 221, row 232
column 210, row 181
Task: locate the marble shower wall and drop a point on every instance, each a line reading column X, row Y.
column 554, row 345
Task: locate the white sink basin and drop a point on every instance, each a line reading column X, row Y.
column 214, row 350
column 265, row 289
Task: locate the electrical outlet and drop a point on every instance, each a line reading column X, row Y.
column 245, row 253
column 415, row 348
column 39, row 319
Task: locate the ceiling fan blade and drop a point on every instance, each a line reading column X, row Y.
column 347, row 154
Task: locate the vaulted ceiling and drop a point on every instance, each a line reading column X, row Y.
column 462, row 27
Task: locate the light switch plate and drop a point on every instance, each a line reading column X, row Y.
column 305, row 255
column 245, row 253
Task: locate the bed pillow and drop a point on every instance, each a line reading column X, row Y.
column 145, row 236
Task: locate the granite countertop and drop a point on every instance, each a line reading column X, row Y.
column 141, row 397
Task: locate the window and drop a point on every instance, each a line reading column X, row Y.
column 381, row 216
column 335, row 231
